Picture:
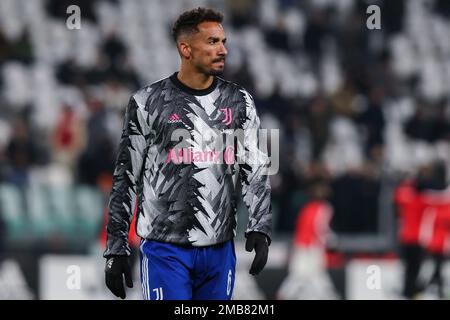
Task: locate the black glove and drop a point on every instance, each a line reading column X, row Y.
column 257, row 241
column 117, row 267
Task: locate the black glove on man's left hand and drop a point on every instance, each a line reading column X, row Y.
column 257, row 241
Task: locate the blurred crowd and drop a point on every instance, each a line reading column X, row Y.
column 355, row 107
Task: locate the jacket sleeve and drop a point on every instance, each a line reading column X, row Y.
column 126, row 179
column 253, row 174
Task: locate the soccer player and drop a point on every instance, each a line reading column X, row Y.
column 188, row 191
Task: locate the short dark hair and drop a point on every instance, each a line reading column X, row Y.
column 188, row 21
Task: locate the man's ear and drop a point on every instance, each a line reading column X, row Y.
column 185, row 49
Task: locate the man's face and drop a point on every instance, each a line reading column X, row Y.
column 207, row 48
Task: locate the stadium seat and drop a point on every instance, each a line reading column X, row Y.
column 61, row 207
column 89, row 208
column 12, row 211
column 41, row 221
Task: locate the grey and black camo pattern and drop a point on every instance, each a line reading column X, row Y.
column 185, row 203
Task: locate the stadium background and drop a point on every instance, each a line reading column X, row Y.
column 357, row 109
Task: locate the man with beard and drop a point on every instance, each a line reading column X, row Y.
column 186, row 214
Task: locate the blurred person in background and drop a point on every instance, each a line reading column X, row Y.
column 439, row 246
column 373, row 121
column 186, row 209
column 308, row 277
column 96, row 162
column 21, row 152
column 410, row 207
column 68, row 138
column 319, row 118
column 435, row 229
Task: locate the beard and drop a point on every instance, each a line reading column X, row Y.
column 211, row 71
column 215, row 72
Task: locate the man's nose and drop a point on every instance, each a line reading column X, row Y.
column 223, row 50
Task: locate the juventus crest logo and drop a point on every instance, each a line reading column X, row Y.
column 228, row 116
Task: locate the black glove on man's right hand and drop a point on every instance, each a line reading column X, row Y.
column 117, row 267
column 259, row 242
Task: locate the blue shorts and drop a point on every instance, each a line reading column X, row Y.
column 171, row 272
